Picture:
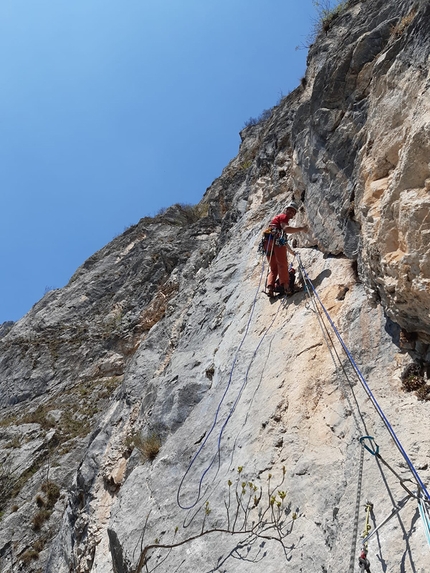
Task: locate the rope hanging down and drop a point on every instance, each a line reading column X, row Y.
column 369, row 393
column 358, row 419
column 218, row 409
column 422, row 495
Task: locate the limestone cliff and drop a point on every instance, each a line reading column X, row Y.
column 160, row 413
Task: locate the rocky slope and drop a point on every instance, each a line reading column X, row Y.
column 146, row 405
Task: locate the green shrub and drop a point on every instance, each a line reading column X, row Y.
column 195, row 212
column 327, row 12
column 264, row 116
column 254, row 511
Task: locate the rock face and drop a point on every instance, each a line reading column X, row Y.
column 362, row 142
column 160, row 413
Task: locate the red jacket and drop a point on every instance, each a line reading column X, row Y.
column 282, row 219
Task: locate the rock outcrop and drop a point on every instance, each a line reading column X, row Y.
column 160, row 413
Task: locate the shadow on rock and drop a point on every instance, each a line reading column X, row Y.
column 300, row 295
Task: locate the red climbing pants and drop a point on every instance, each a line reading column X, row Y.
column 278, row 263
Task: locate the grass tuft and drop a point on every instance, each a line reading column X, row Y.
column 52, row 491
column 148, row 446
column 39, row 519
column 401, row 26
column 29, row 555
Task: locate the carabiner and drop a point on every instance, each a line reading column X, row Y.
column 373, row 452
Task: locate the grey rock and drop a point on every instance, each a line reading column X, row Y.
column 142, row 386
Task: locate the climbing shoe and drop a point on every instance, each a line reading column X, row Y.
column 280, row 290
column 270, row 292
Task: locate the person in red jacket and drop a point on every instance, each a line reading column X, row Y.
column 275, row 246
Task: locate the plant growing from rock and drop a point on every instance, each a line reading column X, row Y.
column 412, row 377
column 413, row 380
column 148, row 446
column 250, row 513
column 264, row 115
column 423, row 392
column 52, row 492
column 45, row 503
column 39, row 519
column 29, row 555
column 401, row 26
column 195, row 212
column 327, row 11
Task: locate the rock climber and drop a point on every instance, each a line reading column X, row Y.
column 275, row 246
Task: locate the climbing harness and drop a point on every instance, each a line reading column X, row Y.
column 422, row 496
column 274, row 235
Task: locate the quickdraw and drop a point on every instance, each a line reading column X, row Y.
column 367, row 526
column 375, row 452
column 363, row 561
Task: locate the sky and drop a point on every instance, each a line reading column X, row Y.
column 111, row 110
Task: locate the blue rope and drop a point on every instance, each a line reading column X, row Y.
column 367, row 389
column 217, row 412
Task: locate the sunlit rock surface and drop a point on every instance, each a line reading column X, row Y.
column 137, row 400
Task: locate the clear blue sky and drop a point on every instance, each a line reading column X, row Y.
column 113, row 109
